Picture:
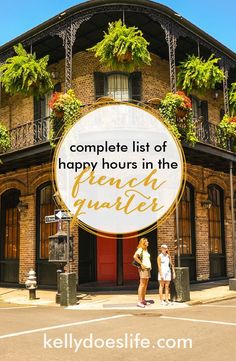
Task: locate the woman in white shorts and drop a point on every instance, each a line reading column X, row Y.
column 164, row 275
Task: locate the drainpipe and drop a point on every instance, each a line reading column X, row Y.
column 119, row 269
column 232, row 214
column 177, row 234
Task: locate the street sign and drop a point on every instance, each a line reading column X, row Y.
column 51, row 219
column 62, row 215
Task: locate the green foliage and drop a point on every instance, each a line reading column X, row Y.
column 25, row 74
column 226, row 131
column 119, row 41
column 200, row 74
column 67, row 104
column 5, row 141
column 181, row 129
column 232, row 99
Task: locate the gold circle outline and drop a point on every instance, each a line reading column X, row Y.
column 147, row 229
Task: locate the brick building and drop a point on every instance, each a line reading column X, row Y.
column 206, row 241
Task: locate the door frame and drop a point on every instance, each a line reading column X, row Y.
column 218, row 259
column 189, row 260
column 43, row 265
column 8, row 265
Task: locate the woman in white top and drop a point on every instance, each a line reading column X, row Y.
column 164, row 275
column 143, row 258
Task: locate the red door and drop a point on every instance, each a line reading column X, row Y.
column 129, row 248
column 106, row 259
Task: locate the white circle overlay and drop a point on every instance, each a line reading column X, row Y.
column 133, row 127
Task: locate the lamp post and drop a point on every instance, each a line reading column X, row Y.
column 61, row 253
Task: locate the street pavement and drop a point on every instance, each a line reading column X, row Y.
column 37, row 332
column 200, row 293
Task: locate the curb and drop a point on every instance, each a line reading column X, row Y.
column 210, row 300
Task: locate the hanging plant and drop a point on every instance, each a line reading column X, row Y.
column 232, row 99
column 25, row 74
column 182, row 127
column 122, row 48
column 197, row 73
column 5, row 141
column 65, row 110
column 226, row 132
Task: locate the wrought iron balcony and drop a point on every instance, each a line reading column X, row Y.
column 208, row 133
column 37, row 132
column 29, row 134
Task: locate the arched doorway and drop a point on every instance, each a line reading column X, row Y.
column 187, row 231
column 46, row 271
column 9, row 237
column 216, row 232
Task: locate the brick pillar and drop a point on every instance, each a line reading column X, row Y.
column 202, row 235
column 166, row 234
column 27, row 237
column 228, row 239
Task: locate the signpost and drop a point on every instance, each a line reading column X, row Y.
column 51, row 219
column 67, row 284
column 61, row 215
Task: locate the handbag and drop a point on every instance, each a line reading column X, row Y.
column 135, row 263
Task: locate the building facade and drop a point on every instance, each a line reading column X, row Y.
column 205, row 234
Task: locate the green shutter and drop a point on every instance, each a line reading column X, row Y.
column 136, row 85
column 39, row 108
column 99, row 84
column 204, row 110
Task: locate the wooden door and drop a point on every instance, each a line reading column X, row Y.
column 129, row 247
column 106, row 258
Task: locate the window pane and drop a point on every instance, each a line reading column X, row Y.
column 46, row 229
column 118, row 87
column 11, row 226
column 214, row 214
column 185, row 224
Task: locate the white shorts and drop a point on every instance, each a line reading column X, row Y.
column 166, row 276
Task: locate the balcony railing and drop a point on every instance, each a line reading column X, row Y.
column 207, row 133
column 37, row 132
column 29, row 134
column 210, row 134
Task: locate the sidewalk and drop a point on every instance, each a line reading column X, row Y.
column 200, row 293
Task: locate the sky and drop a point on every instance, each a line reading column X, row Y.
column 216, row 17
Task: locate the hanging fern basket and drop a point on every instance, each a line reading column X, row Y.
column 25, row 74
column 124, row 58
column 122, row 48
column 199, row 74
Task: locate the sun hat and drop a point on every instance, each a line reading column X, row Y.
column 164, row 246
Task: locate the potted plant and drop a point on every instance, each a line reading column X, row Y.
column 197, row 73
column 5, row 141
column 122, row 48
column 65, row 109
column 183, row 126
column 226, row 132
column 177, row 104
column 25, row 74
